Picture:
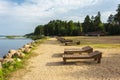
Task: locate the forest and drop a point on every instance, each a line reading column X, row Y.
column 90, row 24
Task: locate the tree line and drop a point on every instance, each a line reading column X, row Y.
column 90, row 24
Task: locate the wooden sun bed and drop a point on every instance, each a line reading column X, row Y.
column 63, row 40
column 96, row 55
column 72, row 43
column 86, row 49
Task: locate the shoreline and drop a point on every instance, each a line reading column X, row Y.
column 15, row 58
column 17, row 53
column 8, row 44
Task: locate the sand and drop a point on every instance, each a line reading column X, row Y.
column 48, row 65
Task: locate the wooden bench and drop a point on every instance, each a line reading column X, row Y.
column 63, row 40
column 86, row 49
column 96, row 55
column 72, row 43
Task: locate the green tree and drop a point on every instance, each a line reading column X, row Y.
column 97, row 20
column 80, row 29
column 39, row 30
column 92, row 26
column 114, row 23
column 111, row 19
column 101, row 27
column 117, row 16
column 71, row 27
column 113, row 30
column 86, row 24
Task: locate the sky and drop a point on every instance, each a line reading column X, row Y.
column 19, row 17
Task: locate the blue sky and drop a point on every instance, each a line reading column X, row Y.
column 19, row 17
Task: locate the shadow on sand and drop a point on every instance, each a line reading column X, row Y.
column 76, row 63
column 112, row 58
column 57, row 55
column 108, row 69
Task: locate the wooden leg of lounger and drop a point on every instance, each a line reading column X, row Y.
column 66, row 44
column 64, row 60
column 80, row 53
column 95, row 59
column 99, row 58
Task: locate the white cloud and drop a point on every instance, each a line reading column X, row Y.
column 4, row 7
column 33, row 12
column 43, row 7
column 106, row 14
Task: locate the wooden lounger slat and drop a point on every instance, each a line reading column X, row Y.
column 96, row 55
column 72, row 43
column 87, row 49
column 63, row 40
column 75, row 56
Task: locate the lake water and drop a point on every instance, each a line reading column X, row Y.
column 7, row 44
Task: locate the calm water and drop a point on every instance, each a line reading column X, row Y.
column 7, row 44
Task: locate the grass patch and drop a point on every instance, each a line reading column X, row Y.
column 102, row 45
column 97, row 42
column 10, row 67
column 106, row 45
column 1, row 74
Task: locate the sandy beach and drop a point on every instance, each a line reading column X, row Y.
column 47, row 64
